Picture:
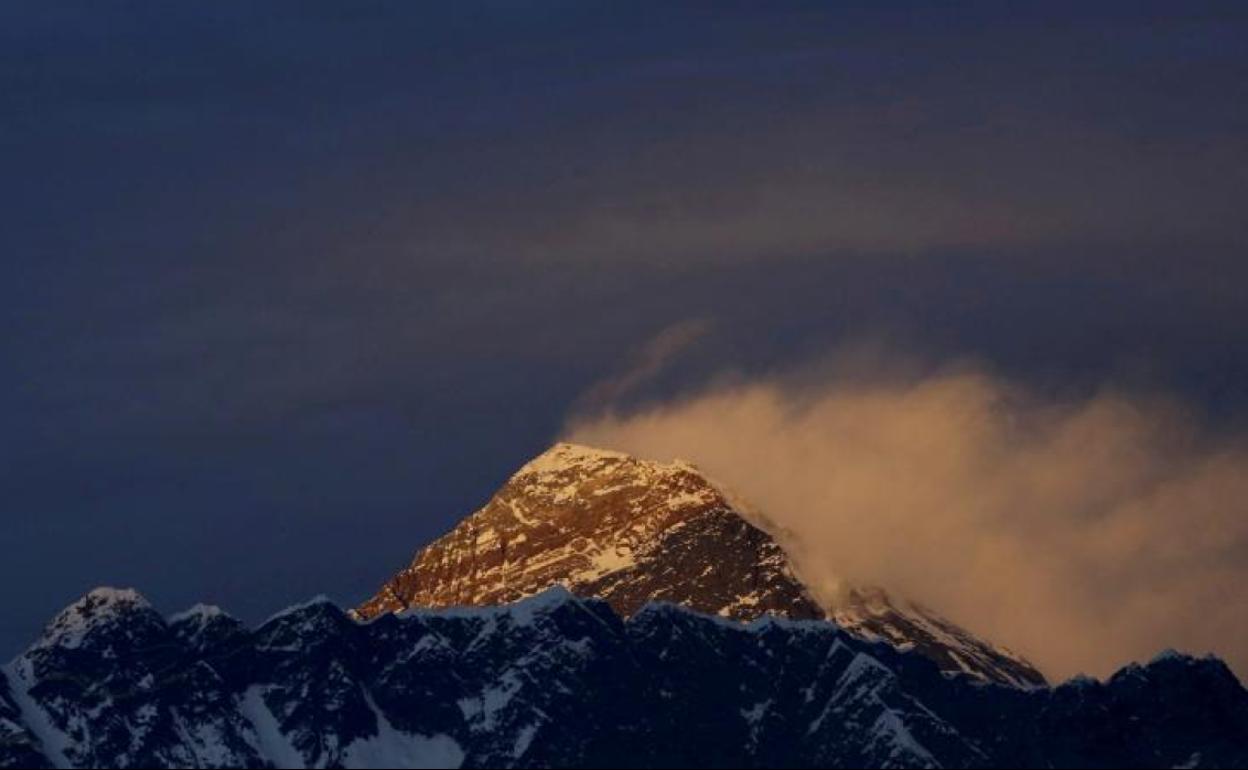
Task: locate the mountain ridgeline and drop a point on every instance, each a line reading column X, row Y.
column 599, row 611
column 560, row 681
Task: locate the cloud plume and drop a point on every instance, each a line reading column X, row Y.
column 647, row 363
column 1083, row 533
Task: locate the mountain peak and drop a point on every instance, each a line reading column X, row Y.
column 564, row 455
column 199, row 613
column 606, row 525
column 98, row 608
column 100, row 603
column 567, row 465
column 108, row 596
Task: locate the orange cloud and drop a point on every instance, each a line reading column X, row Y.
column 1083, row 533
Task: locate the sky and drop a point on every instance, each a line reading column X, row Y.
column 287, row 289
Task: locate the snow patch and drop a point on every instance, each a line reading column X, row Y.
column 523, row 740
column 492, row 700
column 52, row 739
column 391, row 747
column 564, row 456
column 902, row 746
column 522, row 613
column 270, row 741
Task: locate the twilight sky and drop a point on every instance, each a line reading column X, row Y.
column 289, row 288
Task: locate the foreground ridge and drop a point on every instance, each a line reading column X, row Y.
column 560, row 681
column 630, row 531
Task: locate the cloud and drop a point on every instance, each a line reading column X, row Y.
column 1082, row 532
column 646, row 364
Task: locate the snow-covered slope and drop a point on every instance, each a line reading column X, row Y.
column 560, row 681
column 630, row 531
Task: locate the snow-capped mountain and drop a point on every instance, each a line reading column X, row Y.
column 677, row 633
column 630, row 531
column 560, row 681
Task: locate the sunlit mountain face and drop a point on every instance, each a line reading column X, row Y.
column 633, row 532
column 681, row 383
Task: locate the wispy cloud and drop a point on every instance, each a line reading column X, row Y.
column 1082, row 532
column 645, row 364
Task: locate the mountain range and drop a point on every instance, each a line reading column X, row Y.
column 599, row 610
column 560, row 681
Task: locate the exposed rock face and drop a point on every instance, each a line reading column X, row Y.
column 629, row 531
column 605, row 525
column 559, row 681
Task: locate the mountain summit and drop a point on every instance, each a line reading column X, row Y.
column 629, row 531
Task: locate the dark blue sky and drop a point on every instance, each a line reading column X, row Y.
column 288, row 288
